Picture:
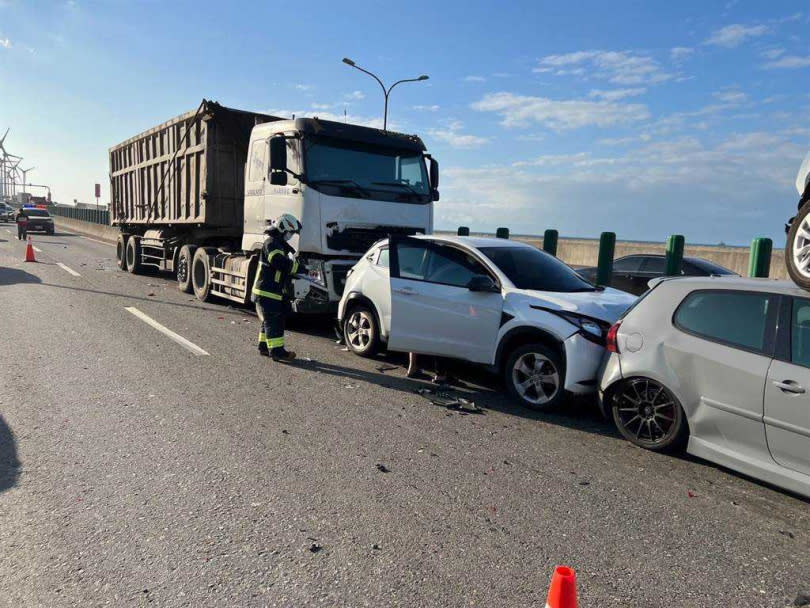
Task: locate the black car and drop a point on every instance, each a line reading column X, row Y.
column 632, row 272
column 39, row 219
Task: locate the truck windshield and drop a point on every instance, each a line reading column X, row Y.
column 360, row 171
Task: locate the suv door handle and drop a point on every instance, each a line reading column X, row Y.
column 789, row 386
column 406, row 291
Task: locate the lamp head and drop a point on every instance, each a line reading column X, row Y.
column 423, row 77
column 348, row 61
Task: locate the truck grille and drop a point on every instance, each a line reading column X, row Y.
column 359, row 240
column 339, row 274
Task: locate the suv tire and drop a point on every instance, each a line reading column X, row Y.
column 361, row 331
column 535, row 376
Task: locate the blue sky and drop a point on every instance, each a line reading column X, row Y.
column 645, row 118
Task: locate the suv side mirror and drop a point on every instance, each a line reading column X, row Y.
column 482, row 282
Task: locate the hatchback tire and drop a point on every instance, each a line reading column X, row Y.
column 535, row 376
column 648, row 415
column 361, row 331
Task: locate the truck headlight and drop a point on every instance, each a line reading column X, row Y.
column 316, row 272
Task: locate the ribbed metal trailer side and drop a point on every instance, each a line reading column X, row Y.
column 186, row 171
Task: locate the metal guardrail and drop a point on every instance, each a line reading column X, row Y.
column 93, row 216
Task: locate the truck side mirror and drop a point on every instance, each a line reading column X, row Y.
column 278, row 178
column 278, row 155
column 434, row 173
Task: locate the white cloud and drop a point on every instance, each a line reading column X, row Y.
column 773, row 53
column 522, row 110
column 680, row 53
column 419, row 108
column 321, row 106
column 452, row 136
column 731, row 96
column 5, row 43
column 474, row 79
column 304, row 87
column 365, row 121
column 355, row 95
column 616, row 94
column 618, row 67
column 788, row 62
column 679, row 185
column 732, row 36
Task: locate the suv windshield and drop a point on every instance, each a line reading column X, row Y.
column 530, row 268
column 352, row 169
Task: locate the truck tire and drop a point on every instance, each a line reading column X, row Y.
column 798, row 264
column 201, row 273
column 133, row 255
column 121, row 251
column 185, row 260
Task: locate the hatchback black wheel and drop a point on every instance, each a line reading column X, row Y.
column 648, row 414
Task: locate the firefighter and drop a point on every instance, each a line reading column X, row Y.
column 22, row 224
column 270, row 289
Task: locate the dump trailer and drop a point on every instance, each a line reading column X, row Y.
column 194, row 195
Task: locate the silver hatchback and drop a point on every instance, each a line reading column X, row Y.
column 720, row 367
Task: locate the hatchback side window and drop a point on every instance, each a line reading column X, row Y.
column 800, row 332
column 451, row 266
column 732, row 317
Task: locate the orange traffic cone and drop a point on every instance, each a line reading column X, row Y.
column 29, row 252
column 563, row 590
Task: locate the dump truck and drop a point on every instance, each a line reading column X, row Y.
column 193, row 196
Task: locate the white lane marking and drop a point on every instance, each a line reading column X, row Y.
column 9, row 231
column 68, row 269
column 165, row 330
column 37, row 249
column 108, row 243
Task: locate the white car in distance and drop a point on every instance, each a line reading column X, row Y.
column 720, row 366
column 495, row 302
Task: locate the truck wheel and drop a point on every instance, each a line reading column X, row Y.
column 535, row 376
column 797, row 249
column 361, row 331
column 121, row 251
column 133, row 255
column 184, row 264
column 201, row 274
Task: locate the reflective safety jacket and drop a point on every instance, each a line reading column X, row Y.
column 275, row 268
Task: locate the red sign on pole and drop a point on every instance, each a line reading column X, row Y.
column 98, row 190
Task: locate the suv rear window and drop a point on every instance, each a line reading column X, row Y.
column 735, row 318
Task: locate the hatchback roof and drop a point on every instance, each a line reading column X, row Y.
column 739, row 283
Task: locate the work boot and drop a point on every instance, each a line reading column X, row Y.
column 281, row 355
column 263, row 350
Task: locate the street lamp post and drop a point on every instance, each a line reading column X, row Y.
column 386, row 92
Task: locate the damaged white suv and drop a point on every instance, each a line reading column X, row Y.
column 500, row 303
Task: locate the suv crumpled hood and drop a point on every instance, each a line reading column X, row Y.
column 607, row 305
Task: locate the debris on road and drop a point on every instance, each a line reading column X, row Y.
column 787, row 533
column 386, row 368
column 383, row 469
column 449, row 399
column 803, row 599
column 314, row 548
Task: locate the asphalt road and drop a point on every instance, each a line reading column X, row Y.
column 134, row 471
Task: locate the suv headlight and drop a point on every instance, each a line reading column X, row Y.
column 593, row 330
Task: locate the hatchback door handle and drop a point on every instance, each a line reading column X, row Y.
column 789, row 386
column 406, row 291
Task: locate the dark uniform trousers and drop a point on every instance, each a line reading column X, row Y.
column 270, row 293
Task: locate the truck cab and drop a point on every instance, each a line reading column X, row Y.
column 349, row 185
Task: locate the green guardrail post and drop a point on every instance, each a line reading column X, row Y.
column 759, row 264
column 502, row 233
column 550, row 241
column 674, row 255
column 604, row 266
column 463, row 231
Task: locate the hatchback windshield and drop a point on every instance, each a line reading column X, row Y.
column 530, row 268
column 710, row 267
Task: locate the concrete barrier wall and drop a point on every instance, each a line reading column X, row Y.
column 575, row 252
column 584, row 252
column 97, row 231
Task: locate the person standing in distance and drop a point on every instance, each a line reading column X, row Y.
column 277, row 264
column 22, row 224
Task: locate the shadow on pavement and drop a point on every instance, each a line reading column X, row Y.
column 12, row 276
column 487, row 394
column 9, row 465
